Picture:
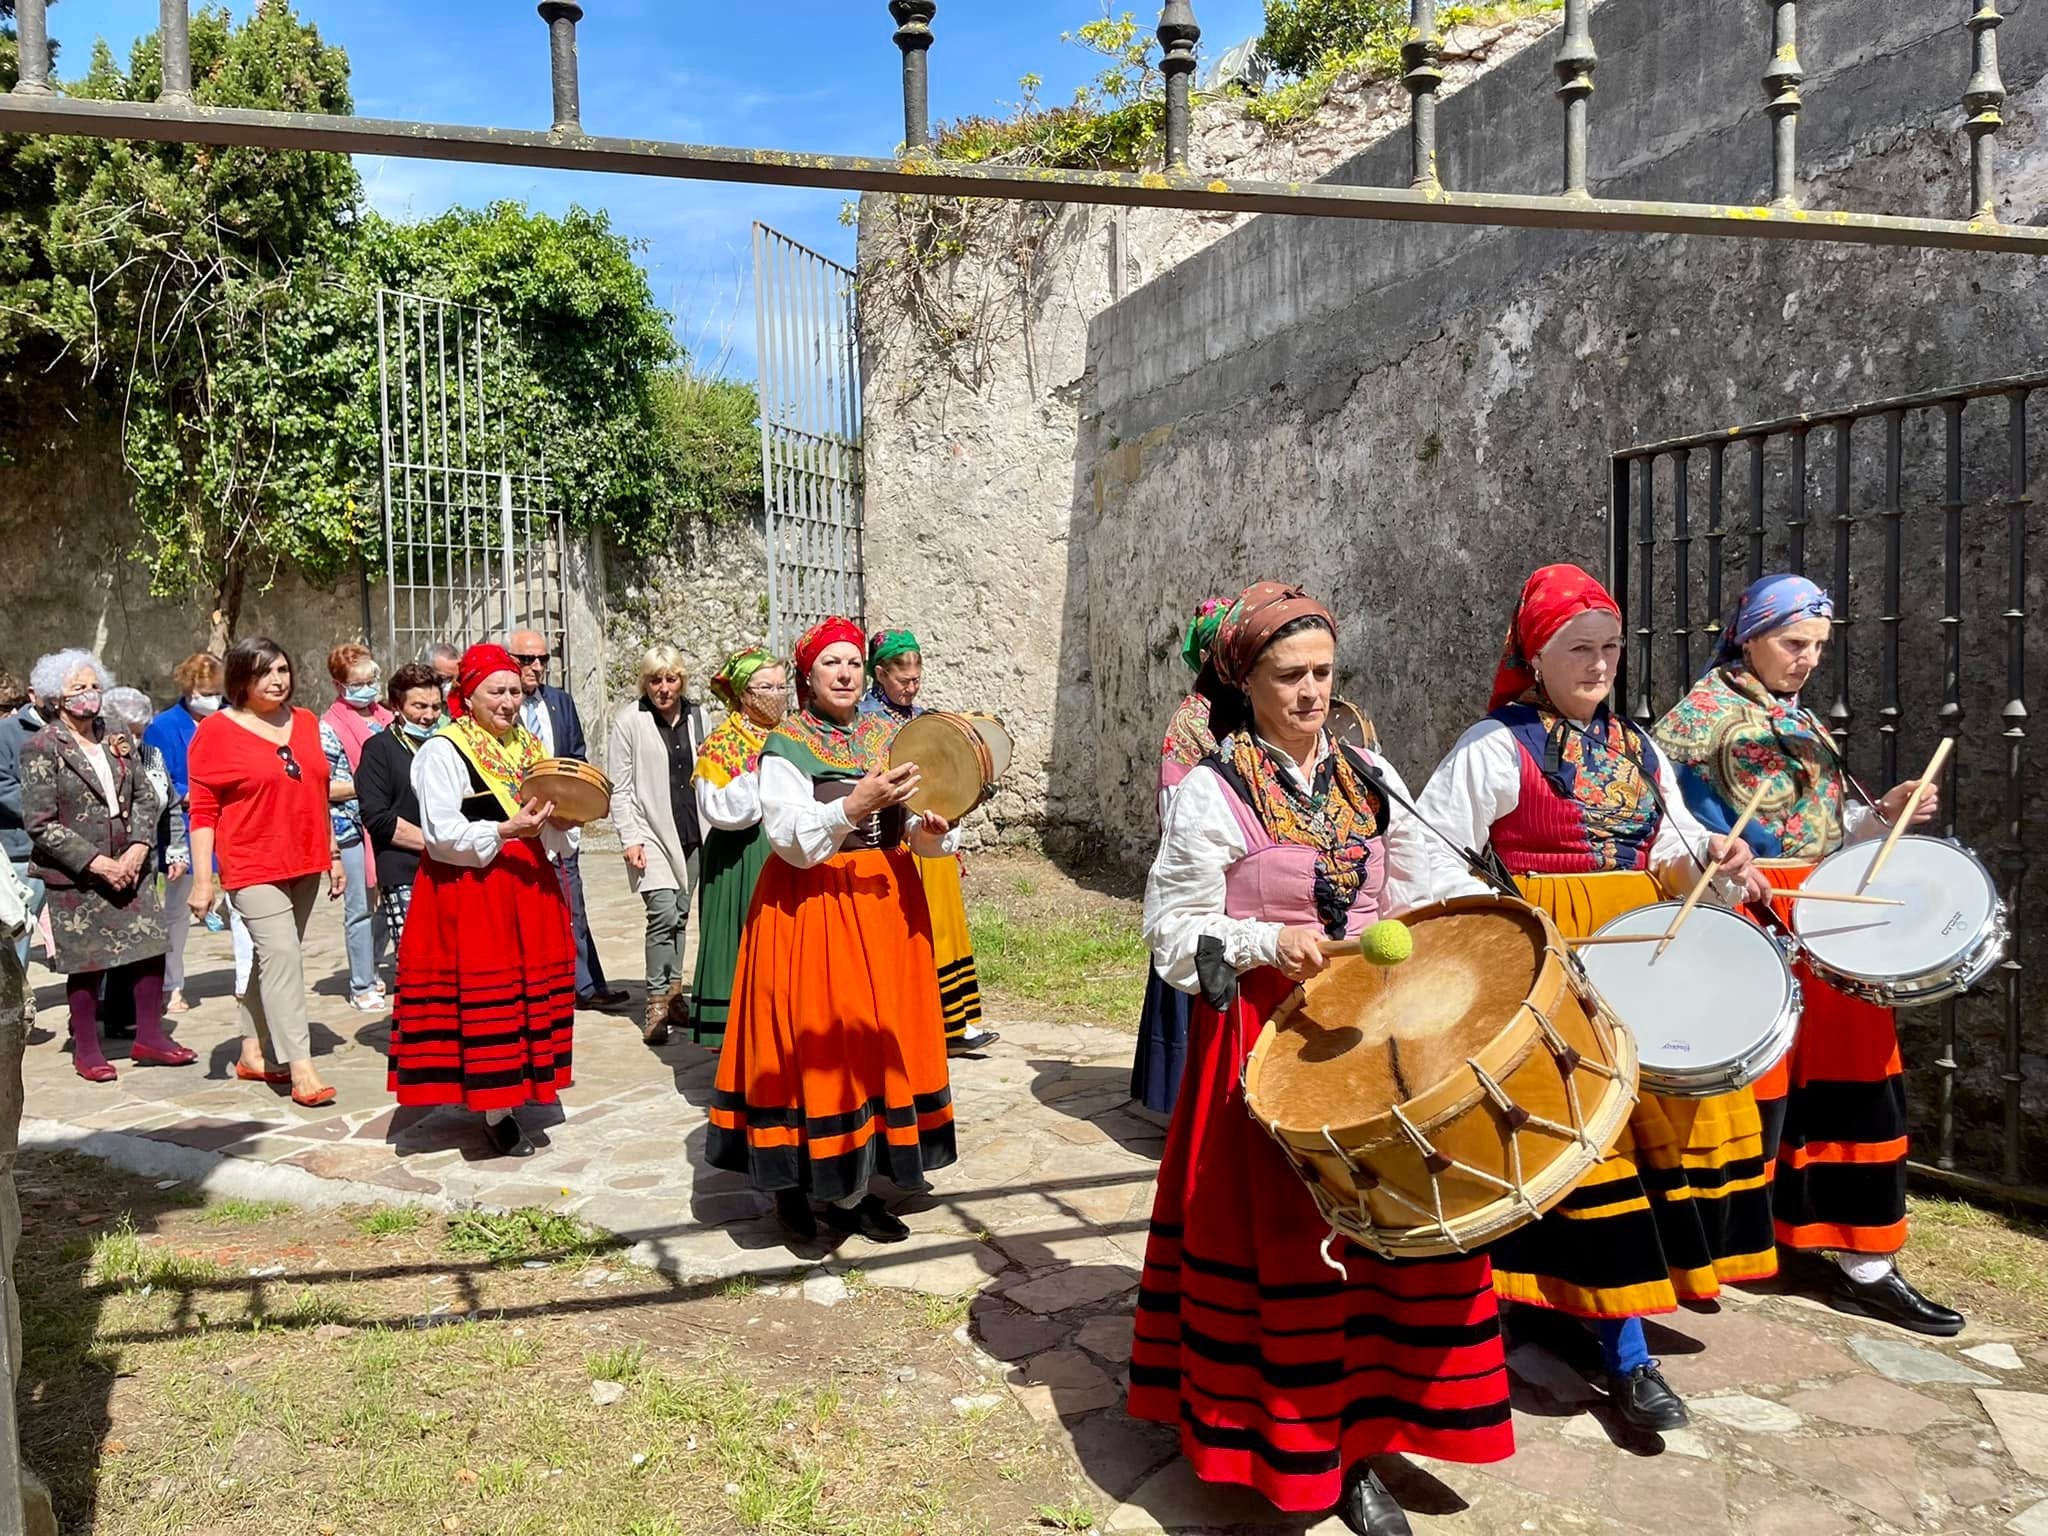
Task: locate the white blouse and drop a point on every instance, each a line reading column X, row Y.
column 1481, row 781
column 806, row 831
column 1201, row 839
column 735, row 807
column 440, row 778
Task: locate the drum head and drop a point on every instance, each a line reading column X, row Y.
column 950, row 762
column 1368, row 1037
column 1949, row 899
column 1704, row 1006
column 581, row 794
column 996, row 737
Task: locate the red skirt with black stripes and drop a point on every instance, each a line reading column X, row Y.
column 1834, row 1114
column 486, row 1008
column 1282, row 1374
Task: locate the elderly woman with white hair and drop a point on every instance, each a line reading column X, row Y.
column 653, row 760
column 91, row 812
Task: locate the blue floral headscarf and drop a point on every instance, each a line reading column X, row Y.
column 1771, row 602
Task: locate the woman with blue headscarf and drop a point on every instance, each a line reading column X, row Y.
column 1835, row 1109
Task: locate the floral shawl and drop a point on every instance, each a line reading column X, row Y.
column 730, row 751
column 1602, row 768
column 1731, row 734
column 1188, row 739
column 504, row 762
column 1339, row 817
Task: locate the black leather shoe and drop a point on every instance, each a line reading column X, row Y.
column 1893, row 1300
column 973, row 1041
column 871, row 1219
column 1370, row 1510
column 508, row 1138
column 1645, row 1400
column 793, row 1210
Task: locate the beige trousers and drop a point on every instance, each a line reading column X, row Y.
column 274, row 1002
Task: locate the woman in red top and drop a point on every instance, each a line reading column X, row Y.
column 259, row 805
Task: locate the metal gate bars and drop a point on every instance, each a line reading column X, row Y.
column 473, row 546
column 804, row 314
column 1950, row 552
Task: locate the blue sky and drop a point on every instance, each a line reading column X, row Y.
column 804, row 74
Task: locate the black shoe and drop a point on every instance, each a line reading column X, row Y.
column 871, row 1219
column 793, row 1210
column 601, row 997
column 1645, row 1400
column 1370, row 1510
column 1893, row 1300
column 973, row 1041
column 508, row 1138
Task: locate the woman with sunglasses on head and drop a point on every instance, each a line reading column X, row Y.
column 258, row 806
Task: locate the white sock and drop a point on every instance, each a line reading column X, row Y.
column 1864, row 1268
column 496, row 1116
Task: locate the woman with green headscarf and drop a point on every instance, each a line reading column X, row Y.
column 754, row 687
column 895, row 678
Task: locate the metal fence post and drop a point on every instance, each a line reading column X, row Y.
column 561, row 17
column 1576, row 60
column 2012, row 858
column 914, row 36
column 1422, row 55
column 174, row 37
column 1781, row 86
column 32, row 42
column 1618, row 550
column 1982, row 98
column 1178, row 35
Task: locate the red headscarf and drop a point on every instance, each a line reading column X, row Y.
column 478, row 662
column 1551, row 599
column 826, row 632
column 1261, row 611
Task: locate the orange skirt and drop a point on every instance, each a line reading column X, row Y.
column 833, row 1068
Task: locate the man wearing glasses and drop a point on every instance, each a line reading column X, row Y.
column 550, row 715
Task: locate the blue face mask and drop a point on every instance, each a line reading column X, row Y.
column 362, row 695
column 417, row 732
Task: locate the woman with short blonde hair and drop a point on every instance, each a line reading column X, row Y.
column 652, row 761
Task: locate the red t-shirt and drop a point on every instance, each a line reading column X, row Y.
column 268, row 826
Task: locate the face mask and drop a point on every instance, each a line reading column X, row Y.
column 446, row 684
column 203, row 704
column 417, row 732
column 362, row 695
column 83, row 706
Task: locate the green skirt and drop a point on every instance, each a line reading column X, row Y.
column 731, row 865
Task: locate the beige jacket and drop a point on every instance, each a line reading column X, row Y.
column 637, row 761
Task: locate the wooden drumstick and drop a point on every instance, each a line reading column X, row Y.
column 1845, row 898
column 1706, row 878
column 1617, row 938
column 1906, row 816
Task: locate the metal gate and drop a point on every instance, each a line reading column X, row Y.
column 1920, row 508
column 473, row 542
column 804, row 315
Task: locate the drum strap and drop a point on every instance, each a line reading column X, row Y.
column 1486, row 866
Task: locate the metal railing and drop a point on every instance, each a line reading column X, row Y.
column 1764, row 491
column 35, row 106
column 809, row 352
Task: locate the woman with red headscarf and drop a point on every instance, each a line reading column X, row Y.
column 487, row 966
column 1278, row 1373
column 1581, row 809
column 833, row 1069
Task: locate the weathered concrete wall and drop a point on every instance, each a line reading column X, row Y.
column 970, row 445
column 1408, row 419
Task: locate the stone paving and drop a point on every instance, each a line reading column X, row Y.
column 1807, row 1423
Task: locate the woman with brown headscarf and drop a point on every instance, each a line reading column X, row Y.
column 1280, row 1374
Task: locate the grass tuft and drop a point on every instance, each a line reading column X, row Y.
column 513, row 1237
column 1067, row 1517
column 392, row 1220
column 627, row 1363
column 123, row 1261
column 244, row 1213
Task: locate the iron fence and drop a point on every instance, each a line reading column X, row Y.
column 1915, row 512
column 474, row 545
column 809, row 344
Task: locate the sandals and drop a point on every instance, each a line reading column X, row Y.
column 318, row 1099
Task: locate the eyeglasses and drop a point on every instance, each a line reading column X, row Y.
column 530, row 661
column 291, row 764
column 768, row 690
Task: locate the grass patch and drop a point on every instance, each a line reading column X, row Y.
column 1067, row 1517
column 945, row 1313
column 623, row 1364
column 1091, row 966
column 121, row 1260
column 244, row 1213
column 513, row 1237
column 391, row 1221
column 1983, row 1260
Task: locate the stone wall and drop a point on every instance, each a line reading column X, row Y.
column 971, row 444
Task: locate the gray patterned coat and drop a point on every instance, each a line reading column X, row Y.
column 70, row 823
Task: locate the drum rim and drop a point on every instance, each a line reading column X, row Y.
column 952, row 721
column 1985, row 933
column 1788, row 1006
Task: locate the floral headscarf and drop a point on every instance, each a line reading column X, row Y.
column 888, row 645
column 1261, row 611
column 1769, row 603
column 1200, row 635
column 730, row 685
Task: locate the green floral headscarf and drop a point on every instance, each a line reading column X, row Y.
column 732, row 679
column 888, row 644
column 1201, row 631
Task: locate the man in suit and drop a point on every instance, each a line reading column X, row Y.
column 550, row 714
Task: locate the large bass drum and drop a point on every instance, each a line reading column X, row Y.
column 1436, row 1105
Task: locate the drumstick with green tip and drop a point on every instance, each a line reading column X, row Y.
column 1706, row 878
column 1906, row 816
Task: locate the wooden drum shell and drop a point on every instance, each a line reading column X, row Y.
column 580, row 792
column 955, row 770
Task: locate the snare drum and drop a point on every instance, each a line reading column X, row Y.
column 1713, row 1013
column 1948, row 936
column 1436, row 1105
column 581, row 794
column 955, row 770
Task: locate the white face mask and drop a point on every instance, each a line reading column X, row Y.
column 203, row 704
